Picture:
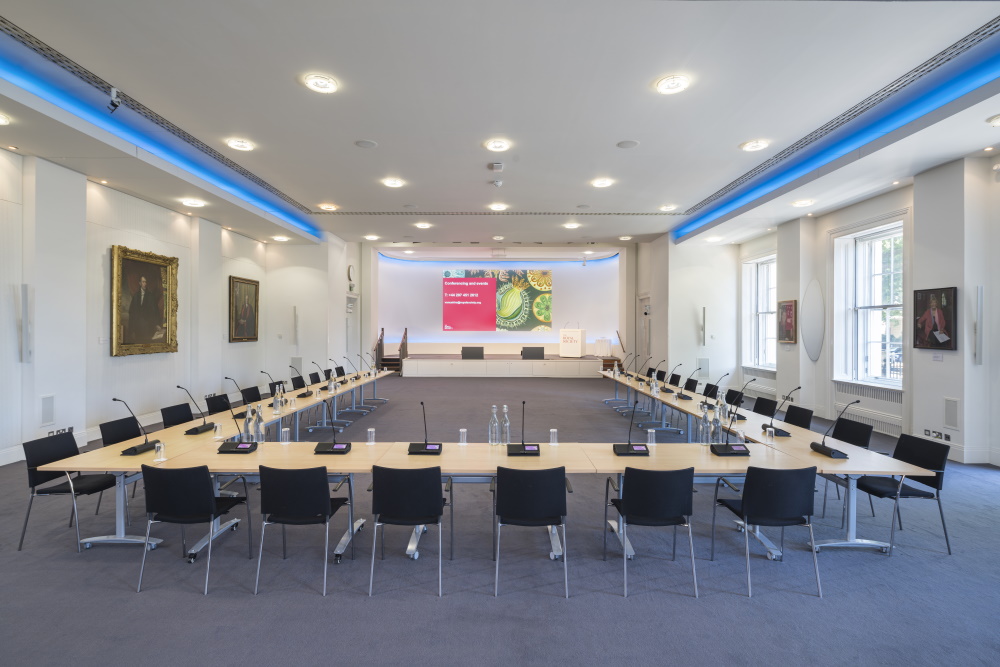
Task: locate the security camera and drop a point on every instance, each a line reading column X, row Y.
column 115, row 101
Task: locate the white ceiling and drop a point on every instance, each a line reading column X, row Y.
column 565, row 81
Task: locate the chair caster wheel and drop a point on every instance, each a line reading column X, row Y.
column 151, row 546
column 554, row 556
column 87, row 545
column 337, row 558
column 416, row 555
column 632, row 557
column 191, row 558
column 425, row 529
column 234, row 527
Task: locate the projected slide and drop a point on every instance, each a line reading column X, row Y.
column 497, row 300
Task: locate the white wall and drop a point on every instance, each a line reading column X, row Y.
column 11, row 278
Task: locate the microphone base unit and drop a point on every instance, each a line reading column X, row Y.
column 332, row 448
column 201, row 428
column 135, row 450
column 625, row 449
column 431, row 448
column 524, row 450
column 826, row 450
column 683, row 397
column 240, row 415
column 305, row 394
column 780, row 432
column 238, row 447
column 730, row 450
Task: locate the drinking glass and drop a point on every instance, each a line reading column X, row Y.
column 462, row 436
column 286, row 435
column 554, row 437
column 371, row 436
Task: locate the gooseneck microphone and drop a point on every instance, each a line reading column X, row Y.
column 822, row 447
column 321, row 372
column 667, row 380
column 374, row 364
column 681, row 395
column 831, row 425
column 308, row 392
column 738, row 400
column 780, row 431
column 271, row 379
column 522, row 422
column 624, row 363
column 298, row 373
column 234, row 382
column 363, row 361
column 424, row 408
column 657, row 366
column 356, row 371
column 205, row 425
column 150, row 443
column 638, row 370
column 718, row 385
column 631, row 421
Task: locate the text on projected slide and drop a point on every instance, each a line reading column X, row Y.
column 497, row 300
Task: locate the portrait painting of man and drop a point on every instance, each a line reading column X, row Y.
column 144, row 298
column 244, row 300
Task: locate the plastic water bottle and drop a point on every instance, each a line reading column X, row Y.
column 258, row 424
column 616, row 372
column 704, row 429
column 654, row 387
column 248, row 426
column 493, row 430
column 505, row 428
column 716, row 429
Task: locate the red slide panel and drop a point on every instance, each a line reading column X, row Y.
column 470, row 304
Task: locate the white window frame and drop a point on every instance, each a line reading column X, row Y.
column 853, row 272
column 755, row 313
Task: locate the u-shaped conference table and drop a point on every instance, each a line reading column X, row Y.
column 478, row 463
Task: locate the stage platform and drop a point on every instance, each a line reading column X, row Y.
column 500, row 365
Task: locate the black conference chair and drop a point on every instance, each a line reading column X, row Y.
column 764, row 406
column 120, row 430
column 534, row 498
column 691, row 384
column 656, row 498
column 218, row 403
column 185, row 496
column 296, row 498
column 919, row 452
column 661, row 376
column 298, row 382
column 176, row 414
column 273, row 386
column 732, row 395
column 339, row 370
column 49, row 450
column 711, row 391
column 650, row 371
column 251, row 395
column 675, row 379
column 773, row 498
column 327, row 373
column 854, row 433
column 796, row 416
column 405, row 498
column 314, row 378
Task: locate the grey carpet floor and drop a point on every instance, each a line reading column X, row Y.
column 919, row 607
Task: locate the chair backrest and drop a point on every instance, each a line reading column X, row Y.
column 120, row 430
column 314, row 378
column 181, row 492
column 691, row 384
column 852, row 432
column 217, row 403
column 327, row 373
column 710, row 391
column 675, row 379
column 778, row 494
column 273, row 386
column 531, row 494
column 796, row 416
column 925, row 454
column 405, row 494
column 48, row 450
column 658, row 494
column 339, row 370
column 765, row 406
column 251, row 395
column 732, row 396
column 303, row 493
column 298, row 382
column 650, row 371
column 661, row 376
column 176, row 414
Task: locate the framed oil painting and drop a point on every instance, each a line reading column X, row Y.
column 143, row 302
column 936, row 313
column 788, row 321
column 244, row 300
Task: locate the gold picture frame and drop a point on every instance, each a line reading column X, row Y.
column 143, row 302
column 244, row 310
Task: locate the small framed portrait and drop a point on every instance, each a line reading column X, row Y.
column 143, row 302
column 244, row 302
column 788, row 321
column 936, row 314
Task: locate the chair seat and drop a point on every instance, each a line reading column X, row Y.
column 735, row 505
column 885, row 487
column 335, row 504
column 83, row 485
column 222, row 506
column 635, row 520
column 543, row 521
column 409, row 521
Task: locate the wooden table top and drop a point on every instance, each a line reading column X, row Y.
column 680, row 455
column 292, row 455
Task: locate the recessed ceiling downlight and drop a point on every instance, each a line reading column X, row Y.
column 320, row 83
column 498, row 238
column 754, row 145
column 624, row 238
column 240, row 144
column 666, row 208
column 409, row 252
column 328, row 207
column 497, row 145
column 801, row 203
column 371, row 237
column 193, row 203
column 994, row 120
column 497, row 206
column 422, row 225
column 280, row 238
column 4, row 119
column 393, row 182
column 602, row 182
column 672, row 84
column 571, row 225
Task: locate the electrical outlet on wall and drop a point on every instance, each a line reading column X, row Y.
column 927, row 431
